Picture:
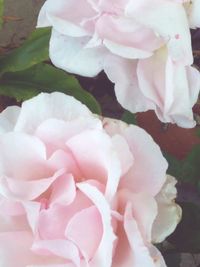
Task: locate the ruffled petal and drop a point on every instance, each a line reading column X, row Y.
column 45, row 106
column 73, row 55
column 8, row 118
column 171, row 25
column 169, row 213
column 87, row 240
column 97, row 159
column 122, row 73
column 103, row 256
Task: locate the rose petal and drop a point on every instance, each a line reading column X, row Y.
column 21, row 153
column 141, row 253
column 18, row 245
column 169, row 213
column 8, row 118
column 103, row 256
column 168, row 25
column 70, row 54
column 122, row 73
column 105, row 166
column 61, row 248
column 45, row 106
column 88, row 239
column 62, row 19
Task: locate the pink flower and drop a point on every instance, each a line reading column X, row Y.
column 77, row 190
column 156, row 83
column 131, row 29
column 124, row 38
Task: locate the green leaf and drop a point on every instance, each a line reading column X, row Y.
column 198, row 132
column 1, row 12
column 186, row 238
column 33, row 51
column 45, row 78
column 129, row 117
column 187, row 170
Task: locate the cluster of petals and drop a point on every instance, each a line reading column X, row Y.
column 77, row 190
column 143, row 46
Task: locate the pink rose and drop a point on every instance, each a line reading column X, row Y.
column 84, row 34
column 126, row 39
column 77, row 190
column 156, row 83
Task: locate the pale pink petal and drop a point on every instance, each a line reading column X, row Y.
column 88, row 236
column 72, row 55
column 64, row 160
column 125, row 37
column 97, row 159
column 54, row 133
column 26, row 190
column 144, row 210
column 55, row 229
column 122, row 73
column 32, row 209
column 15, row 251
column 148, row 172
column 61, row 248
column 61, row 17
column 45, row 106
column 9, row 223
column 171, row 25
column 141, row 253
column 123, row 152
column 169, row 213
column 171, row 87
column 63, row 190
column 103, row 255
column 8, row 118
column 21, row 153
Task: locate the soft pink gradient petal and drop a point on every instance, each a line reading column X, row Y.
column 148, row 172
column 62, row 214
column 63, row 20
column 26, row 190
column 70, row 54
column 125, row 37
column 103, row 255
column 122, row 73
column 123, row 152
column 168, row 25
column 97, row 158
column 21, row 152
column 18, row 245
column 172, row 88
column 54, row 133
column 59, row 247
column 45, row 106
column 144, row 210
column 8, row 118
column 141, row 253
column 63, row 190
column 88, row 236
column 64, row 160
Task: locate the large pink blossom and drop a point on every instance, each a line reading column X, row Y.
column 77, row 190
column 87, row 36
